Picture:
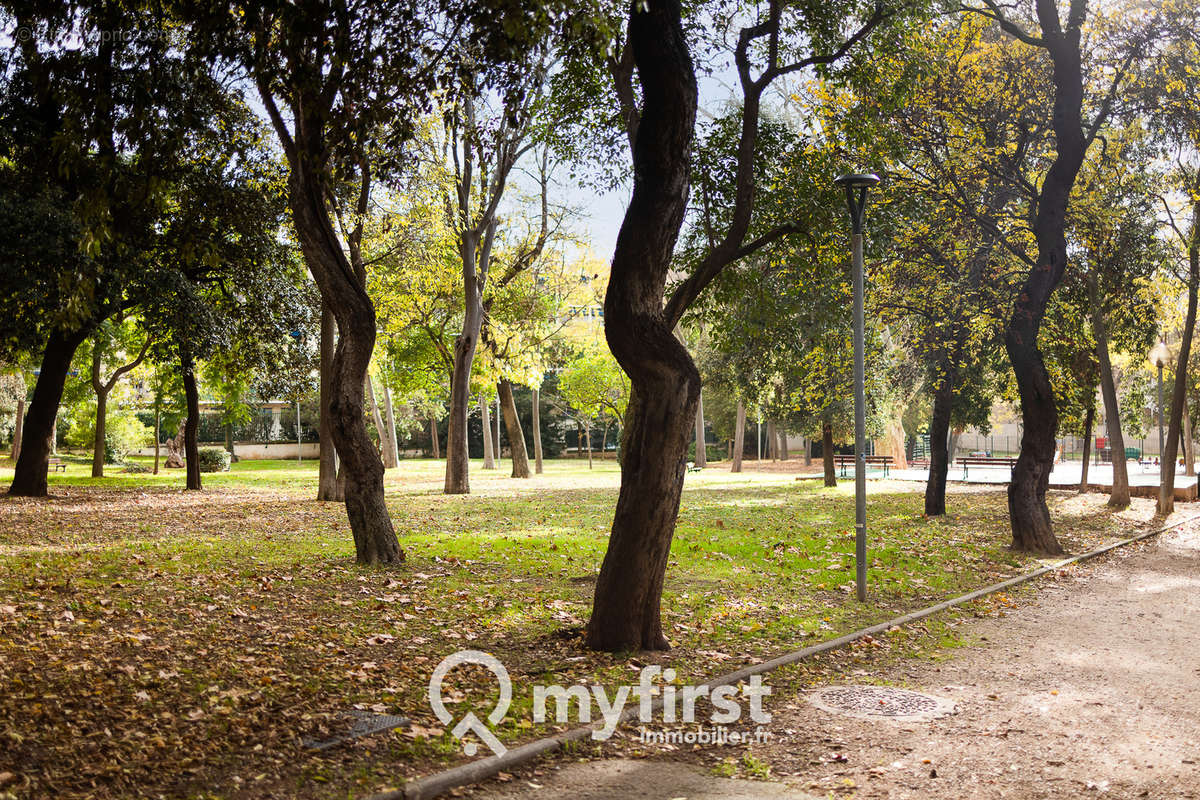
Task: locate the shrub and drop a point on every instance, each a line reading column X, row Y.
column 214, row 459
column 136, row 468
column 123, row 433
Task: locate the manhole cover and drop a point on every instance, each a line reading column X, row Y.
column 881, row 702
column 364, row 724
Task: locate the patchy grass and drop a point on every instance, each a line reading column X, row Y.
column 161, row 642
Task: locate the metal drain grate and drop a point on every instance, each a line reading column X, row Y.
column 881, row 702
column 365, row 724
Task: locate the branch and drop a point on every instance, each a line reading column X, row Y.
column 994, row 13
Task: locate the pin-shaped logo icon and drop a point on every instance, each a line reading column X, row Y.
column 471, row 722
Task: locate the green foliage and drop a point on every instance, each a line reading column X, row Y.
column 595, row 386
column 213, row 459
column 123, row 432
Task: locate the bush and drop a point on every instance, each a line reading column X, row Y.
column 214, row 459
column 123, row 433
column 136, row 468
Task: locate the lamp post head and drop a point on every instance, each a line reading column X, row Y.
column 1160, row 355
column 856, row 186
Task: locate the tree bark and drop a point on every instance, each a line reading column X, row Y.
column 328, row 486
column 18, row 429
column 99, row 433
column 587, row 435
column 1089, row 421
column 29, row 477
column 157, row 429
column 475, row 253
column 807, row 452
column 1031, row 527
column 386, row 453
column 827, row 454
column 739, row 437
column 191, row 426
column 390, row 420
column 1166, row 492
column 1189, row 447
column 537, row 431
column 489, row 459
column 512, row 423
column 433, row 438
column 939, row 444
column 1119, row 497
column 701, row 448
column 783, row 444
column 665, row 385
column 772, row 441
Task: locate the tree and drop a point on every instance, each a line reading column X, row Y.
column 116, row 339
column 595, row 387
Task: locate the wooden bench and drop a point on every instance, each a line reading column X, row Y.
column 879, row 461
column 691, row 467
column 918, row 463
column 56, row 464
column 985, row 461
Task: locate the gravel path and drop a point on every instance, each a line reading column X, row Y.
column 1092, row 690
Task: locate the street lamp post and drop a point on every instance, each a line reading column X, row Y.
column 856, row 198
column 1158, row 357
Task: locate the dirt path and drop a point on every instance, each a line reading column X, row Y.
column 1092, row 690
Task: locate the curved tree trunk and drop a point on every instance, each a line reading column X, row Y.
column 664, row 383
column 191, row 426
column 512, row 423
column 1119, row 497
column 739, row 437
column 701, row 448
column 939, row 445
column 537, row 431
column 1166, row 492
column 827, row 454
column 29, row 478
column 1030, row 517
column 328, row 486
column 474, row 273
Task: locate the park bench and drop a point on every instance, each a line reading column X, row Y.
column 692, row 467
column 879, row 461
column 985, row 461
column 56, row 464
column 918, row 463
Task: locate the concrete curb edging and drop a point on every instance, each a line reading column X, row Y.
column 434, row 785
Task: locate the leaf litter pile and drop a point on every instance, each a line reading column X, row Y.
column 162, row 643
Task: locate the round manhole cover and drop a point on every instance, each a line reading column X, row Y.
column 881, row 702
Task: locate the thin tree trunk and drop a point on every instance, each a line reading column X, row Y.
column 1189, row 447
column 33, row 456
column 807, row 452
column 537, row 431
column 99, row 433
column 739, row 437
column 489, row 460
column 387, row 447
column 433, row 438
column 827, row 454
column 587, row 435
column 1166, row 492
column 939, row 444
column 1089, row 421
column 701, row 449
column 329, row 488
column 512, row 423
column 157, row 430
column 191, row 426
column 390, row 421
column 1119, row 497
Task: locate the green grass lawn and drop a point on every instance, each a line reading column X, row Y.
column 155, row 641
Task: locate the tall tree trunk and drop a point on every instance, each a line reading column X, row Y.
column 807, row 452
column 433, row 437
column 329, row 488
column 739, row 437
column 1166, row 492
column 54, row 436
column 537, row 431
column 1089, row 421
column 1119, row 497
column 191, row 426
column 390, row 420
column 1030, row 517
column 783, row 444
column 939, row 444
column 701, row 447
column 29, row 478
column 489, row 460
column 827, row 454
column 772, row 441
column 512, row 423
